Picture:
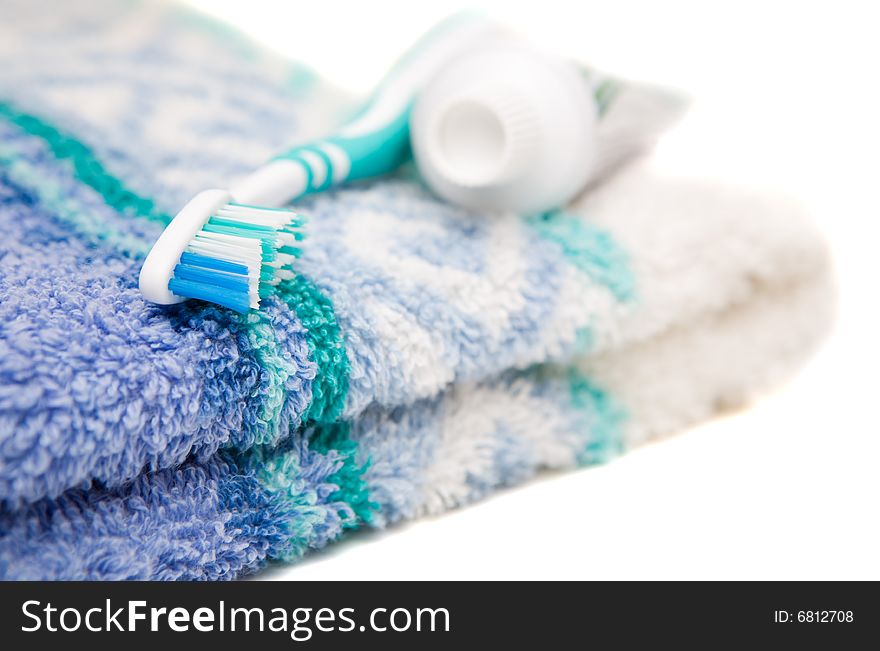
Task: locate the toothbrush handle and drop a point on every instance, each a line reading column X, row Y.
column 353, row 156
column 376, row 142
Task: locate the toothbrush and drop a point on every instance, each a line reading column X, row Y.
column 232, row 247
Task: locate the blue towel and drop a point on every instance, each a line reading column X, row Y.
column 423, row 357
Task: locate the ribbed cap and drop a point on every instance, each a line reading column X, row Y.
column 483, row 136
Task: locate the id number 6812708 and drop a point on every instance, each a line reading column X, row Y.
column 813, row 616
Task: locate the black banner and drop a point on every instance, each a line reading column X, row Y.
column 290, row 615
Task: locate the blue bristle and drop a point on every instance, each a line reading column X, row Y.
column 197, row 260
column 221, row 279
column 235, row 300
column 209, row 279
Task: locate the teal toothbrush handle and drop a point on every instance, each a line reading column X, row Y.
column 353, row 157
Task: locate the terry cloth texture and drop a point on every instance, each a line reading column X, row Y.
column 424, row 357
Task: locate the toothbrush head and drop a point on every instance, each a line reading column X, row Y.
column 223, row 252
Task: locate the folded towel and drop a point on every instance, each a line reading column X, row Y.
column 424, row 356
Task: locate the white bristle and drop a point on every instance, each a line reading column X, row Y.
column 287, row 239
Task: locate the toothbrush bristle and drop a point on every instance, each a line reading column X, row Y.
column 239, row 256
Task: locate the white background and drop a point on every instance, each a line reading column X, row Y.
column 785, row 95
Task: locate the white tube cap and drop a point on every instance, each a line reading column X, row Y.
column 482, row 136
column 506, row 128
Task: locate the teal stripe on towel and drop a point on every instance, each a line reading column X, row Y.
column 590, row 249
column 86, row 166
